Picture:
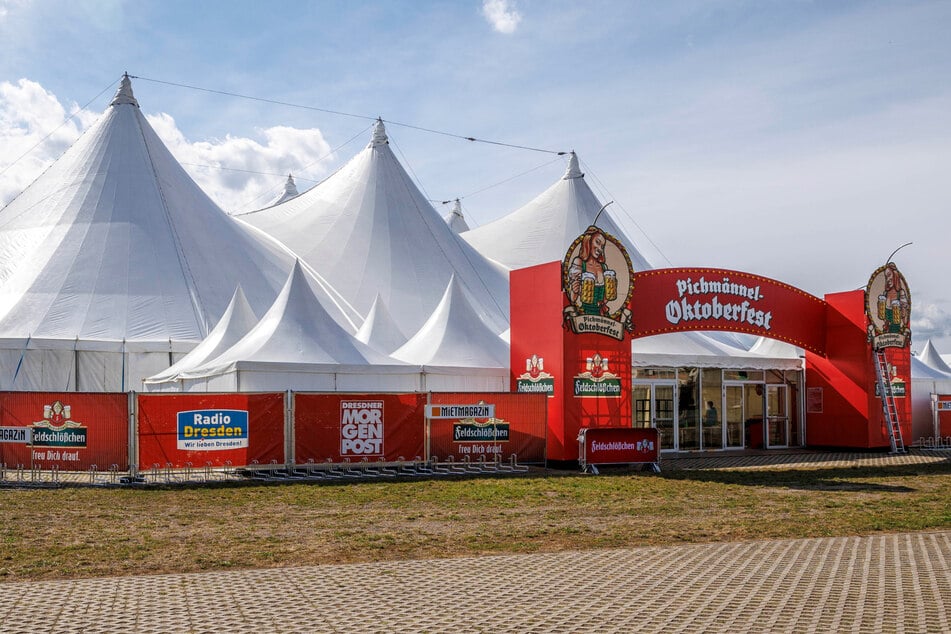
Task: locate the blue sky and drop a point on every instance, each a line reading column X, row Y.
column 803, row 141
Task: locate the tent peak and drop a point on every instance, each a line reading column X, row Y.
column 124, row 93
column 290, row 187
column 574, row 170
column 379, row 134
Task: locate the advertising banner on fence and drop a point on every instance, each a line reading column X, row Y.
column 943, row 407
column 619, row 445
column 65, row 430
column 354, row 427
column 516, row 424
column 217, row 430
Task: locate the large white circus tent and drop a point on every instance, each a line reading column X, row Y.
column 298, row 346
column 543, row 229
column 370, row 232
column 114, row 263
column 456, row 349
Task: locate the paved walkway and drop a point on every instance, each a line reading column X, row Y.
column 880, row 583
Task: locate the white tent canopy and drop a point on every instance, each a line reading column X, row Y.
column 297, row 345
column 455, row 343
column 542, row 230
column 693, row 349
column 114, row 263
column 237, row 322
column 370, row 232
column 290, row 191
column 380, row 331
column 930, row 357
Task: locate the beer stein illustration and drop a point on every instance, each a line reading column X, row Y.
column 587, row 288
column 881, row 307
column 610, row 285
column 896, row 312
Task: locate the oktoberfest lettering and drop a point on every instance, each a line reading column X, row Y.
column 683, row 309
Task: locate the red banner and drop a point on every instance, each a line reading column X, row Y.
column 673, row 300
column 619, row 445
column 338, row 427
column 68, row 430
column 519, row 427
column 179, row 430
column 944, row 415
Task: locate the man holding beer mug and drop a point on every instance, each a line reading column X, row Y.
column 592, row 284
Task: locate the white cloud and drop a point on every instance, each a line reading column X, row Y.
column 243, row 174
column 501, row 14
column 28, row 113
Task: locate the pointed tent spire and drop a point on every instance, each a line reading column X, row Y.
column 455, row 219
column 574, row 170
column 290, row 187
column 379, row 135
column 238, row 320
column 455, row 336
column 124, row 93
column 930, row 357
column 380, row 331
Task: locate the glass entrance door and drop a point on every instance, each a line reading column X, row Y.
column 734, row 416
column 654, row 407
column 777, row 416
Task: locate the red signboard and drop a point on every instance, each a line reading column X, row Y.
column 69, row 431
column 674, row 300
column 943, row 405
column 518, row 428
column 619, row 445
column 180, row 430
column 354, row 427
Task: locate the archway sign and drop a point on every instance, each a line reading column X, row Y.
column 572, row 322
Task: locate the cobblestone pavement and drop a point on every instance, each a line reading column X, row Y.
column 879, row 583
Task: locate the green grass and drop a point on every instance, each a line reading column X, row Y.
column 87, row 532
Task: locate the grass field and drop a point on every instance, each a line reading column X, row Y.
column 87, row 532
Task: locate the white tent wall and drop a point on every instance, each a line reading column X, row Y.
column 922, row 418
column 460, row 380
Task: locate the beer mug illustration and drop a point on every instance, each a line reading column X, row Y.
column 896, row 312
column 587, row 288
column 881, row 307
column 610, row 286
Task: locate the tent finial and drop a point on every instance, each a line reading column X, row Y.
column 379, row 134
column 574, row 170
column 124, row 94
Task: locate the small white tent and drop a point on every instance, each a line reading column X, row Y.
column 297, row 346
column 370, row 232
column 925, row 381
column 930, row 357
column 456, row 349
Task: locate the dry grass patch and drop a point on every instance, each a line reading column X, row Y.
column 85, row 532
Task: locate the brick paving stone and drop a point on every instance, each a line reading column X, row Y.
column 877, row 583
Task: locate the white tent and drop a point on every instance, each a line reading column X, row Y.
column 237, row 322
column 456, row 349
column 455, row 219
column 369, row 231
column 693, row 349
column 930, row 357
column 290, row 191
column 380, row 331
column 298, row 346
column 542, row 230
column 114, row 263
column 925, row 381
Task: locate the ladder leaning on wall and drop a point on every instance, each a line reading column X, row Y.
column 889, row 407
